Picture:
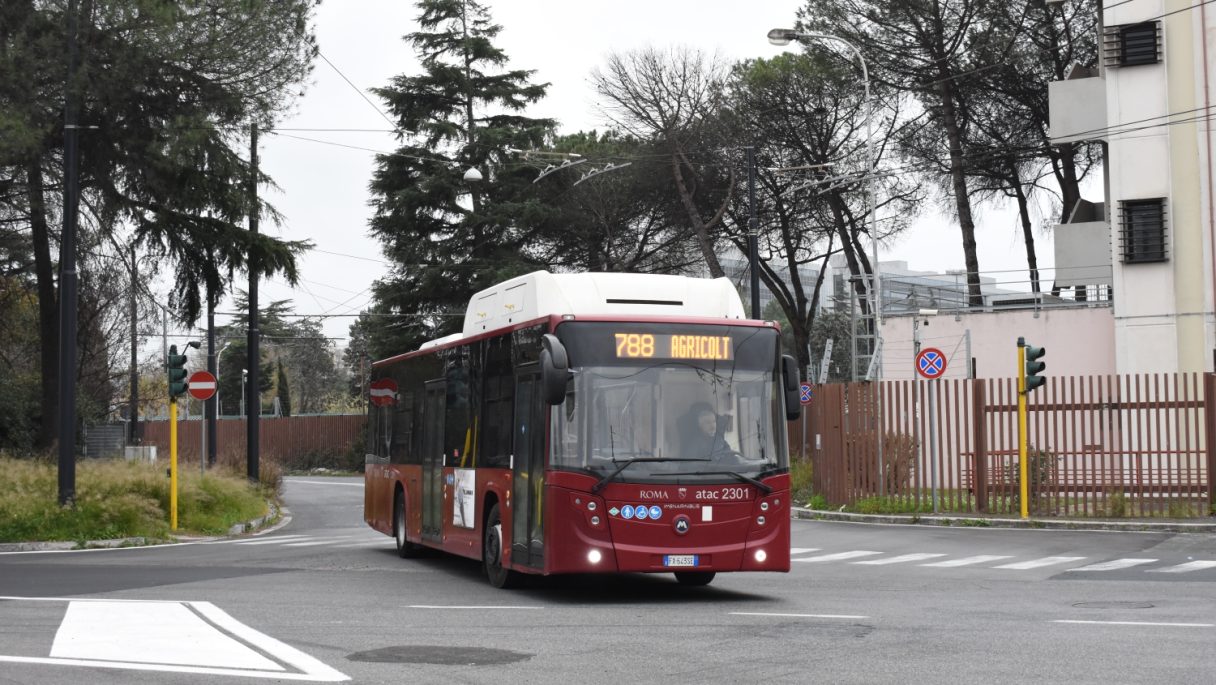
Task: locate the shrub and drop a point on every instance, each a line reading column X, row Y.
column 899, row 455
column 800, row 479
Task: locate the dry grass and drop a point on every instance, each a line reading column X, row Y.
column 117, row 499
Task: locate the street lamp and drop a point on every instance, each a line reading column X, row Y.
column 784, row 37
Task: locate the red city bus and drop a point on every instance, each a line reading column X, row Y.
column 590, row 423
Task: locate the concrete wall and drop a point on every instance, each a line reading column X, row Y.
column 1079, row 341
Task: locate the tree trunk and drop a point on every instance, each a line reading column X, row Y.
column 48, row 309
column 694, row 218
column 962, row 201
column 1032, row 261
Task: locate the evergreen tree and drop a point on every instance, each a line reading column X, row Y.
column 163, row 91
column 282, row 391
column 448, row 237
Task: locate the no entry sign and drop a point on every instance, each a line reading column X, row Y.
column 201, row 385
column 384, row 392
column 931, row 363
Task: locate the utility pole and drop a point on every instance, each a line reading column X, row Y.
column 253, row 399
column 67, row 278
column 212, row 405
column 133, row 409
column 753, row 232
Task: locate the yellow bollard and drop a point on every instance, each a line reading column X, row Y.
column 173, row 464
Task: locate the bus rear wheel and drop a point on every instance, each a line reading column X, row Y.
column 694, row 578
column 492, row 553
column 405, row 548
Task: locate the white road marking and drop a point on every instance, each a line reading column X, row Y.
column 468, row 606
column 802, row 550
column 1039, row 563
column 1114, row 565
column 173, row 637
column 165, row 633
column 314, row 543
column 900, row 559
column 838, row 556
column 968, row 561
column 1142, row 623
column 759, row 613
column 268, row 644
column 292, row 481
column 275, row 540
column 1185, row 568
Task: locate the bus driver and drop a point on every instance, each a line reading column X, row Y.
column 702, row 435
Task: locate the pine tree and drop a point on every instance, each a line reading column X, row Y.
column 447, row 237
column 283, row 391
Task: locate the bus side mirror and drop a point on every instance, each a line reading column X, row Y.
column 789, row 377
column 554, row 369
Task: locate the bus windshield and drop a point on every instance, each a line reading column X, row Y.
column 687, row 404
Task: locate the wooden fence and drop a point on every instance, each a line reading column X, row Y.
column 1139, row 445
column 284, row 439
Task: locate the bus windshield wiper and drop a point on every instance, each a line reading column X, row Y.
column 764, row 487
column 629, row 462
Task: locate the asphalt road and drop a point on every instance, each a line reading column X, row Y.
column 323, row 598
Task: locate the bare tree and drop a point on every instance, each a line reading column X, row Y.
column 919, row 47
column 672, row 99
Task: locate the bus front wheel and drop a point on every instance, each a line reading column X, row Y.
column 694, row 578
column 492, row 553
column 405, row 548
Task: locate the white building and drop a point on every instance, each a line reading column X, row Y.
column 1149, row 101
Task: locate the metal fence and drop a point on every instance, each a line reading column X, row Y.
column 1099, row 446
column 284, row 438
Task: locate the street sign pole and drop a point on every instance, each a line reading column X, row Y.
column 933, row 438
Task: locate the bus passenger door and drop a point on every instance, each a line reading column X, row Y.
column 528, row 471
column 432, row 460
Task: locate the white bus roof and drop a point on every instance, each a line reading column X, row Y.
column 541, row 293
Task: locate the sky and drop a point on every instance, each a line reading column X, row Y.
column 322, row 182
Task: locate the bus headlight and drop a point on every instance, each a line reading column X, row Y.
column 761, row 555
column 760, row 520
column 594, row 556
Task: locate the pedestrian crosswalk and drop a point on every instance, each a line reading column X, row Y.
column 941, row 560
column 363, row 539
column 816, row 555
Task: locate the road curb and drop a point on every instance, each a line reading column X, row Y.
column 997, row 522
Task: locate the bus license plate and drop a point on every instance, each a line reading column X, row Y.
column 680, row 560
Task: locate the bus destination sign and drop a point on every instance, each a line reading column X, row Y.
column 660, row 346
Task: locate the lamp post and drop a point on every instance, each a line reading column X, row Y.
column 784, row 37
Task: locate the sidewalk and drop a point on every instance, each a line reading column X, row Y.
column 1206, row 525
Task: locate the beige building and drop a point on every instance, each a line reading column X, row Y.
column 1148, row 101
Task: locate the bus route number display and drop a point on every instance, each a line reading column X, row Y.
column 673, row 346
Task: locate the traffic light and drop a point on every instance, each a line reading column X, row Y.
column 1033, row 366
column 177, row 373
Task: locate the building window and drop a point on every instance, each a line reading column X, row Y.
column 1132, row 44
column 1142, row 230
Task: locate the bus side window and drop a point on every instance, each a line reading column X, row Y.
column 494, row 443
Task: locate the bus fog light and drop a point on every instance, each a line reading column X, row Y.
column 760, row 520
column 594, row 556
column 761, row 555
column 590, row 506
column 764, row 506
column 595, row 520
